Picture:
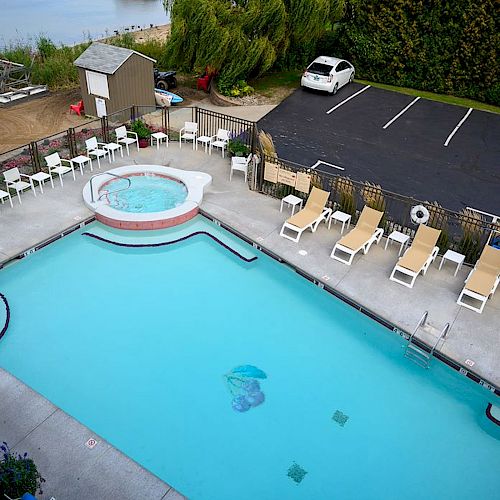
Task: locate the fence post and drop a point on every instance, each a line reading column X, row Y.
column 35, row 158
column 70, row 134
column 132, row 113
column 104, row 128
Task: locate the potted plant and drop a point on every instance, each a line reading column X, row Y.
column 18, row 475
column 237, row 147
column 143, row 132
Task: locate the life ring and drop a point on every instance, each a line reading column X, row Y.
column 419, row 214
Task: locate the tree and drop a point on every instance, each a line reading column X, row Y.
column 243, row 38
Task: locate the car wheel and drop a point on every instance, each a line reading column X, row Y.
column 335, row 89
column 351, row 78
column 173, row 83
column 162, row 85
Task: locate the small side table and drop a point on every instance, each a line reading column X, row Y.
column 159, row 136
column 205, row 140
column 81, row 161
column 293, row 201
column 341, row 217
column 399, row 238
column 452, row 256
column 6, row 195
column 41, row 177
column 112, row 147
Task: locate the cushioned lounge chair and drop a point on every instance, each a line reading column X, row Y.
column 418, row 257
column 361, row 237
column 482, row 280
column 309, row 217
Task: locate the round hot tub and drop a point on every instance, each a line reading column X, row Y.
column 145, row 196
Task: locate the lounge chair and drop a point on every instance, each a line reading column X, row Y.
column 482, row 280
column 240, row 164
column 220, row 140
column 309, row 217
column 361, row 237
column 418, row 257
column 189, row 133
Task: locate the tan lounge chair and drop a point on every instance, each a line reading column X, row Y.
column 309, row 217
column 418, row 257
column 482, row 280
column 361, row 237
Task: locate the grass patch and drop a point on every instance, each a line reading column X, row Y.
column 447, row 99
column 266, row 84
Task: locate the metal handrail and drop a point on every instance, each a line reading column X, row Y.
column 422, row 321
column 444, row 331
column 113, row 175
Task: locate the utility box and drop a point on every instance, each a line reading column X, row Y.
column 113, row 78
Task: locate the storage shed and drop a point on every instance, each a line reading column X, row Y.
column 113, row 78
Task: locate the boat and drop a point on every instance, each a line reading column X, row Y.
column 166, row 98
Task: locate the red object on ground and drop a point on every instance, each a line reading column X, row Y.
column 203, row 83
column 77, row 108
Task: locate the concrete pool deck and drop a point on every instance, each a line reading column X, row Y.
column 31, row 423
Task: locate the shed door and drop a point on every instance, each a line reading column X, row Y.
column 97, row 84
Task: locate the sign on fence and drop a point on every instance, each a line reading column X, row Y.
column 287, row 177
column 271, row 172
column 303, row 183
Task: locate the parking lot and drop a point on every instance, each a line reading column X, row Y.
column 416, row 147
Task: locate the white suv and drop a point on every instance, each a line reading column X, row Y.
column 328, row 74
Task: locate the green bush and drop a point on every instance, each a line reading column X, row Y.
column 18, row 474
column 141, row 129
column 440, row 46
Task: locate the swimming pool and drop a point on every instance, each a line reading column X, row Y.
column 138, row 344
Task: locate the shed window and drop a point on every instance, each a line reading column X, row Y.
column 97, row 84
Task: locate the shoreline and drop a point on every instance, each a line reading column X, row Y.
column 158, row 33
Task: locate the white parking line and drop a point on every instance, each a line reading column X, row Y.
column 460, row 123
column 321, row 162
column 404, row 110
column 348, row 99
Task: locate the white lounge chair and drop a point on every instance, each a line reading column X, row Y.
column 56, row 165
column 188, row 133
column 418, row 257
column 240, row 164
column 14, row 180
column 361, row 237
column 220, row 140
column 94, row 149
column 127, row 137
column 309, row 217
column 482, row 280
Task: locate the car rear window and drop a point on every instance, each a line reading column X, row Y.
column 320, row 69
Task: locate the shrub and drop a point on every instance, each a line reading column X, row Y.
column 141, row 129
column 237, row 147
column 18, row 474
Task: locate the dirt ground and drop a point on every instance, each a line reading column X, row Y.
column 38, row 118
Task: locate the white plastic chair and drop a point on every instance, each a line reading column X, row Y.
column 188, row 133
column 55, row 165
column 240, row 164
column 5, row 195
column 93, row 149
column 220, row 140
column 127, row 137
column 13, row 180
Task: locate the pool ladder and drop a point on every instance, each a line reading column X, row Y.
column 416, row 352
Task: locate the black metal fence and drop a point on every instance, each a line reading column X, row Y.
column 465, row 232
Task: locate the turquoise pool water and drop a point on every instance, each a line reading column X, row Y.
column 138, row 345
column 147, row 193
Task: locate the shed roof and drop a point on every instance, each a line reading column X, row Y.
column 105, row 58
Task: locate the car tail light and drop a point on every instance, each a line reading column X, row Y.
column 329, row 78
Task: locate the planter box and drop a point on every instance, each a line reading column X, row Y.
column 143, row 143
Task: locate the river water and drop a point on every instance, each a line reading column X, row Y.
column 73, row 21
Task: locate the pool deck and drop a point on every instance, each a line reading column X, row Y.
column 31, row 423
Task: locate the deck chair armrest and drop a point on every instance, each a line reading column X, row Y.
column 27, row 176
column 326, row 212
column 66, row 161
column 101, row 144
column 133, row 134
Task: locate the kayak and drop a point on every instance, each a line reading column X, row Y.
column 166, row 98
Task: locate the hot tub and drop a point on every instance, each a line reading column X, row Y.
column 145, row 196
